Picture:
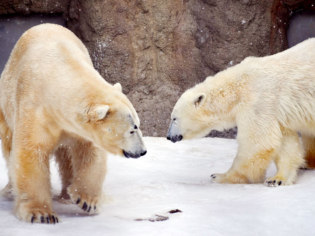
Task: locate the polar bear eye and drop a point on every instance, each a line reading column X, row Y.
column 135, row 127
column 131, row 132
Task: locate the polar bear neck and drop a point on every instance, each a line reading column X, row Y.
column 228, row 89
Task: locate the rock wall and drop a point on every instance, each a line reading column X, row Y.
column 25, row 7
column 158, row 48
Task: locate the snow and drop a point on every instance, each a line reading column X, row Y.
column 139, row 192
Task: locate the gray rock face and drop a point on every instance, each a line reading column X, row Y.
column 33, row 6
column 158, row 48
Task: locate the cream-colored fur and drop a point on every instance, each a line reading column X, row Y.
column 269, row 99
column 52, row 101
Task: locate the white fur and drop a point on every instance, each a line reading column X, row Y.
column 53, row 102
column 269, row 99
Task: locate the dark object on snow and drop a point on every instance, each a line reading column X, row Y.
column 175, row 211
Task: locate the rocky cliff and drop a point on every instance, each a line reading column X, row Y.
column 158, row 48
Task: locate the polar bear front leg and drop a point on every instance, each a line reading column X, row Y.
column 246, row 168
column 309, row 147
column 31, row 182
column 7, row 191
column 288, row 160
column 259, row 138
column 6, row 145
column 89, row 169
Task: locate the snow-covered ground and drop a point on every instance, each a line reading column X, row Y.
column 139, row 193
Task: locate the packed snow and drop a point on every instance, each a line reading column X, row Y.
column 169, row 192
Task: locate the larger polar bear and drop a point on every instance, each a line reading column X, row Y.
column 269, row 99
column 52, row 101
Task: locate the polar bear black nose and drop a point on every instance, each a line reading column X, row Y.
column 134, row 155
column 143, row 153
column 175, row 138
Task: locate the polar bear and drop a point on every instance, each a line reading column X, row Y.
column 52, row 101
column 270, row 99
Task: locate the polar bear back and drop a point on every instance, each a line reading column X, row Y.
column 48, row 67
column 286, row 85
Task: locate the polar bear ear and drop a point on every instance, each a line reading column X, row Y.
column 98, row 112
column 199, row 100
column 118, row 87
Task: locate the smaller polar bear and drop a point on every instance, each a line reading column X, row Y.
column 270, row 99
column 52, row 101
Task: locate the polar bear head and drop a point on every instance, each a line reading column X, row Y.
column 203, row 108
column 114, row 125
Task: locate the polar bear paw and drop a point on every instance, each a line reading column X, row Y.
column 7, row 192
column 273, row 183
column 35, row 213
column 217, row 178
column 88, row 203
column 230, row 177
column 277, row 181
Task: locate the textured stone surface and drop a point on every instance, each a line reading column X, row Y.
column 33, row 6
column 148, row 46
column 158, row 48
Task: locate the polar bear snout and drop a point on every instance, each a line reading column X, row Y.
column 175, row 138
column 174, row 133
column 134, row 155
column 134, row 146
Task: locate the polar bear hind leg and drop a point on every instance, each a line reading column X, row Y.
column 64, row 161
column 83, row 169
